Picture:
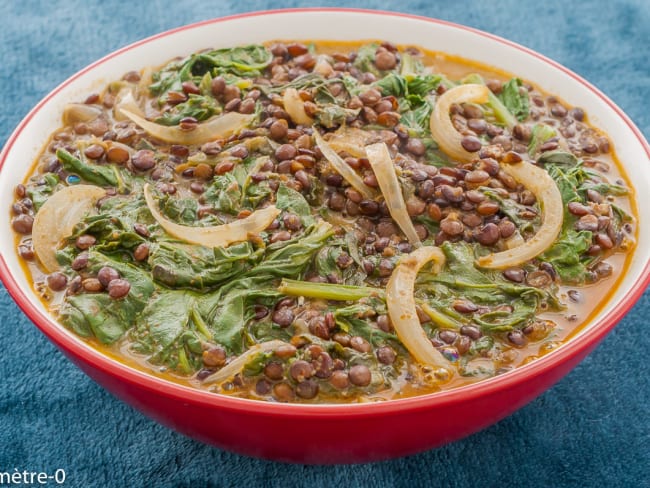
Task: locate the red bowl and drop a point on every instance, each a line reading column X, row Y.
column 329, row 433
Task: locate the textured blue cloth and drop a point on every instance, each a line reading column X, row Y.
column 591, row 429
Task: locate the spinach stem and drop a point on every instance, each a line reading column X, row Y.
column 201, row 326
column 99, row 175
column 439, row 318
column 327, row 291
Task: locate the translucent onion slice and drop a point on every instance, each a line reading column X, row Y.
column 442, row 129
column 80, row 112
column 548, row 195
column 218, row 127
column 217, row 235
column 56, row 218
column 343, row 168
column 146, row 79
column 234, row 367
column 295, row 107
column 322, row 67
column 352, row 141
column 126, row 101
column 514, row 241
column 384, row 169
column 401, row 305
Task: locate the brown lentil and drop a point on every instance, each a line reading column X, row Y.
column 448, row 336
column 107, row 274
column 285, row 351
column 94, row 151
column 517, row 275
column 487, row 234
column 80, row 262
column 358, row 343
column 339, row 380
column 203, row 171
column 471, row 331
column 307, row 389
column 451, row 226
column 92, row 285
column 117, row 154
column 359, row 375
column 538, row 279
column 283, row 392
column 23, row 224
column 301, row 370
column 141, row 252
column 118, row 288
column 283, row 317
column 415, row 146
column 471, row 143
column 85, row 241
column 517, row 338
column 57, row 281
column 286, row 152
column 465, row 306
column 386, row 355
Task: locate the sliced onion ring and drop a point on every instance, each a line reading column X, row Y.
column 125, row 101
column 218, row 127
column 384, row 169
column 235, row 366
column 217, row 235
column 342, row 167
column 548, row 195
column 442, row 129
column 401, row 305
column 80, row 112
column 295, row 107
column 351, row 140
column 56, row 218
column 322, row 67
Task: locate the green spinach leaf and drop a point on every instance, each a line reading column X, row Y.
column 290, row 200
column 197, row 106
column 39, row 194
column 515, row 98
column 179, row 265
column 92, row 173
column 224, row 194
column 98, row 315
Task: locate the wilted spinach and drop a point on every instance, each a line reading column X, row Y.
column 40, row 193
column 102, row 175
column 197, row 106
column 96, row 314
column 293, row 201
column 569, row 253
column 179, row 265
column 234, row 63
column 461, row 279
column 169, row 331
column 515, row 98
column 224, row 194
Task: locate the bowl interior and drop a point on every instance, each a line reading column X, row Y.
column 29, row 137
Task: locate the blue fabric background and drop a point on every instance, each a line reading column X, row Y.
column 591, row 429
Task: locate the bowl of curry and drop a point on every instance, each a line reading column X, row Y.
column 272, row 229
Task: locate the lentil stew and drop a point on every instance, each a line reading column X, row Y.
column 324, row 222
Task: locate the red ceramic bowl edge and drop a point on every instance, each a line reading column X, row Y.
column 579, row 346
